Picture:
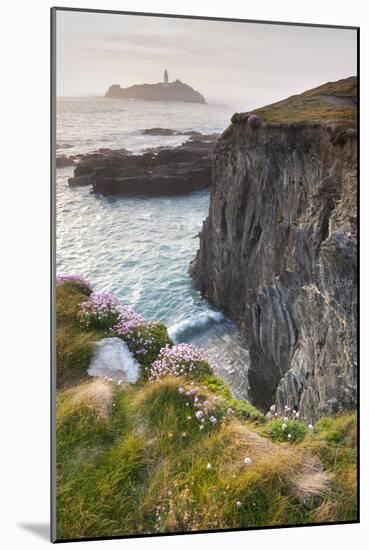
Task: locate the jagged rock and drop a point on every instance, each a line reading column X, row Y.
column 63, row 161
column 159, row 132
column 278, row 256
column 81, row 181
column 176, row 170
column 169, row 132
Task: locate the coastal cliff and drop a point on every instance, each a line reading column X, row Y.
column 278, row 249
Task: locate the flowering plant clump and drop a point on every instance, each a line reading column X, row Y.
column 144, row 338
column 206, row 411
column 181, row 360
column 100, row 311
column 286, row 426
column 78, row 280
column 129, row 320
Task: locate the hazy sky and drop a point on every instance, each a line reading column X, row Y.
column 248, row 63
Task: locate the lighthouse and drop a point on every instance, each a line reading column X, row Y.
column 166, row 79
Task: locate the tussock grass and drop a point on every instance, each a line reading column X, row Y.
column 136, row 459
column 74, row 347
column 335, row 443
column 97, row 395
column 150, row 469
column 242, row 409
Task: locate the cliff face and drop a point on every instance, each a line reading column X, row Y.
column 278, row 255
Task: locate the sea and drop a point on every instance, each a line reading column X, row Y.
column 140, row 248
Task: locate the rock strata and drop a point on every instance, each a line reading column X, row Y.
column 278, row 255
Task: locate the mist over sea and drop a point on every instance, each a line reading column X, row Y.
column 140, row 248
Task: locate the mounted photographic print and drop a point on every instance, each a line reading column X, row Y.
column 204, row 316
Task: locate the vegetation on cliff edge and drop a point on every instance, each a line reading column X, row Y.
column 331, row 101
column 180, row 454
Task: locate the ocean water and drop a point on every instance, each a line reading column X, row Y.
column 140, row 248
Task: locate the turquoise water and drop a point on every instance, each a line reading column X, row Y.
column 137, row 248
column 140, row 248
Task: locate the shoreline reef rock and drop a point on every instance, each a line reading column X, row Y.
column 63, row 161
column 193, row 134
column 161, row 171
column 162, row 91
column 278, row 255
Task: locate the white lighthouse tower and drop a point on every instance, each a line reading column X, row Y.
column 166, row 79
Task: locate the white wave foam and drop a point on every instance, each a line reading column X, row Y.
column 181, row 331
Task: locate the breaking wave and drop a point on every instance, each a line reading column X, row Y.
column 182, row 331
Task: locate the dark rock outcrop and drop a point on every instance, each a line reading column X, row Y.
column 159, row 132
column 171, row 91
column 278, row 255
column 63, row 161
column 164, row 170
column 169, row 132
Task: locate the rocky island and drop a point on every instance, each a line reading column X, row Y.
column 278, row 249
column 161, row 91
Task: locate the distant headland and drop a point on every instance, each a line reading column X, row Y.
column 162, row 91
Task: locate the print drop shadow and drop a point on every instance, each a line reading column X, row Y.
column 42, row 530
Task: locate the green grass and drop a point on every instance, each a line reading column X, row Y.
column 158, row 333
column 74, row 347
column 321, row 103
column 241, row 408
column 130, row 461
column 280, row 430
column 335, row 443
column 133, row 459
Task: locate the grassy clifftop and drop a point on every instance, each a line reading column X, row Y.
column 331, row 101
column 177, row 453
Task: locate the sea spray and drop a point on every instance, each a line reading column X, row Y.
column 182, row 331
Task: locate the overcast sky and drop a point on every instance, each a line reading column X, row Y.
column 248, row 63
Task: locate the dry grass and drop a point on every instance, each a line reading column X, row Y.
column 310, row 481
column 74, row 347
column 96, row 394
column 139, row 459
column 331, row 101
column 133, row 460
column 307, row 479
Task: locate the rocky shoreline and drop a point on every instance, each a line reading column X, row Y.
column 157, row 171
